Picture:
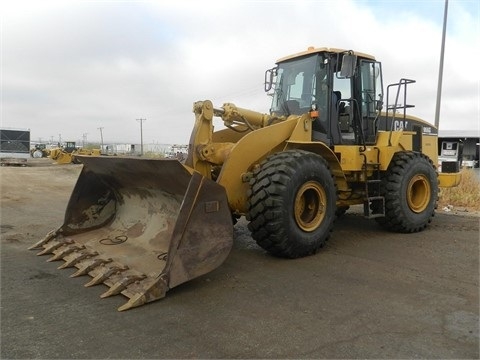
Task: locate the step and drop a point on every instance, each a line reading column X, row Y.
column 366, row 206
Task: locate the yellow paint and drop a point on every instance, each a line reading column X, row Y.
column 449, row 180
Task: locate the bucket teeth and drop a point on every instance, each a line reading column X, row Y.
column 45, row 240
column 137, row 300
column 54, row 246
column 77, row 258
column 89, row 266
column 148, row 290
column 100, row 278
column 121, row 285
column 60, row 254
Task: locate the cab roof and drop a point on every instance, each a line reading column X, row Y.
column 313, row 50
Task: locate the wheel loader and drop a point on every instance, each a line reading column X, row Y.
column 333, row 138
column 68, row 154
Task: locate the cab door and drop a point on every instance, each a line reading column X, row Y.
column 370, row 95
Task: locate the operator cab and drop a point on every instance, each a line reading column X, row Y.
column 69, row 147
column 345, row 89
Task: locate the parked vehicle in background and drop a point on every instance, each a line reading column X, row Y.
column 66, row 154
column 39, row 151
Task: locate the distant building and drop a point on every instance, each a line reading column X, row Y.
column 462, row 144
column 135, row 149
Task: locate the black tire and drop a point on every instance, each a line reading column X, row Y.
column 292, row 203
column 410, row 188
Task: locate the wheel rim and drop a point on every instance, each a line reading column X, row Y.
column 418, row 193
column 310, row 205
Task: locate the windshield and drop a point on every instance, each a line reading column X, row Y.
column 294, row 89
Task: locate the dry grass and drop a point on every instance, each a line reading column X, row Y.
column 466, row 195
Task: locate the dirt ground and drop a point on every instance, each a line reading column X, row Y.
column 367, row 294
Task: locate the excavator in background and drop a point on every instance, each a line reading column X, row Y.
column 68, row 154
column 333, row 139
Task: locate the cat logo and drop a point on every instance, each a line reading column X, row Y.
column 400, row 125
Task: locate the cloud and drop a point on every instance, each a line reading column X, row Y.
column 70, row 67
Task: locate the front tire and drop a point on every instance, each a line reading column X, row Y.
column 410, row 188
column 292, row 203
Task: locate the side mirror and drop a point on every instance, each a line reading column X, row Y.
column 269, row 77
column 349, row 63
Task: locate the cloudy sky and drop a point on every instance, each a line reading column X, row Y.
column 71, row 68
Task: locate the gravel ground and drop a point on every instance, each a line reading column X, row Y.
column 367, row 294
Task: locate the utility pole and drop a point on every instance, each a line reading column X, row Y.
column 101, row 137
column 141, row 135
column 84, row 139
column 440, row 71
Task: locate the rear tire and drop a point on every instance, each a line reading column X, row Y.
column 292, row 203
column 410, row 188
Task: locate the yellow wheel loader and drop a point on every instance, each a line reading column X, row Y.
column 63, row 154
column 332, row 139
column 68, row 153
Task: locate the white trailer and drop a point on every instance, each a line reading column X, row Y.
column 14, row 146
